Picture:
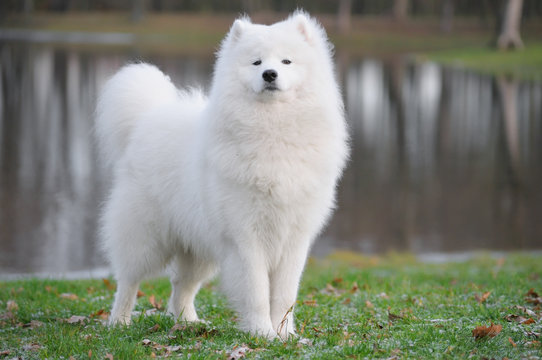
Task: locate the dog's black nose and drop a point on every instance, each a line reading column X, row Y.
column 269, row 75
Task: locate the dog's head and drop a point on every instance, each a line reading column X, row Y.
column 271, row 61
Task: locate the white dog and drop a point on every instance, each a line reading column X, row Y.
column 240, row 182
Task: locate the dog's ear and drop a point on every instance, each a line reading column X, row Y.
column 238, row 27
column 304, row 25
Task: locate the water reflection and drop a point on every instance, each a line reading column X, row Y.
column 443, row 160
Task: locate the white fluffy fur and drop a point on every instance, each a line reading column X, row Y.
column 241, row 182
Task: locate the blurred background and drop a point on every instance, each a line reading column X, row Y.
column 444, row 104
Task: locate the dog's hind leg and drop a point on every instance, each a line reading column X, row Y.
column 187, row 275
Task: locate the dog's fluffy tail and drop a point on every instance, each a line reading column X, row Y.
column 132, row 91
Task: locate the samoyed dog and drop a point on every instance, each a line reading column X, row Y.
column 239, row 182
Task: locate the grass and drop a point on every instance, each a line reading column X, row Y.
column 200, row 34
column 349, row 306
column 525, row 63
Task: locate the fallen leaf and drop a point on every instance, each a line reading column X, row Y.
column 8, row 315
column 337, row 281
column 108, row 284
column 109, row 356
column 154, row 328
column 102, row 314
column 177, row 327
column 526, row 311
column 146, row 342
column 304, row 341
column 354, row 288
column 75, row 319
column 48, row 288
column 31, row 347
column 532, row 343
column 239, row 352
column 155, row 304
column 383, row 295
column 483, row 297
column 311, row 302
column 12, row 305
column 346, row 301
column 5, row 352
column 512, row 342
column 393, row 317
column 483, row 331
column 89, row 354
column 532, row 334
column 331, row 290
column 68, row 296
column 33, row 324
column 140, row 293
column 533, row 297
column 369, row 304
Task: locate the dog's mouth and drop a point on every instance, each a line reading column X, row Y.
column 271, row 87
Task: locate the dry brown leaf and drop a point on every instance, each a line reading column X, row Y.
column 331, row 290
column 109, row 356
column 354, row 288
column 239, row 352
column 369, row 304
column 140, row 293
column 12, row 305
column 108, row 284
column 310, row 302
column 155, row 304
column 393, row 317
column 533, row 343
column 483, row 297
column 512, row 342
column 346, row 301
column 68, row 296
column 533, row 297
column 483, row 331
column 89, row 354
column 383, row 295
column 32, row 347
column 154, row 328
column 102, row 314
column 75, row 319
column 5, row 352
column 33, row 324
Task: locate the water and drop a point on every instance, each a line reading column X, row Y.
column 443, row 160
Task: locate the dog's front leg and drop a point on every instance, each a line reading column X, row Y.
column 284, row 285
column 246, row 283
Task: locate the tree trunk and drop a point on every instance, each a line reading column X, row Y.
column 446, row 21
column 509, row 37
column 138, row 10
column 344, row 16
column 400, row 9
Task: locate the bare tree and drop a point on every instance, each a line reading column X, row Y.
column 447, row 16
column 509, row 36
column 400, row 9
column 344, row 16
column 138, row 10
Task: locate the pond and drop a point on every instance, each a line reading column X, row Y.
column 443, row 160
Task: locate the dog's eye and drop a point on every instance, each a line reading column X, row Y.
column 286, row 62
column 258, row 62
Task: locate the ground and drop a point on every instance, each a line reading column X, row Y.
column 349, row 306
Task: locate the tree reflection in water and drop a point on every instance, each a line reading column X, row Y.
column 442, row 159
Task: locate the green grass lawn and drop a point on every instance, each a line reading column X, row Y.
column 525, row 63
column 349, row 306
